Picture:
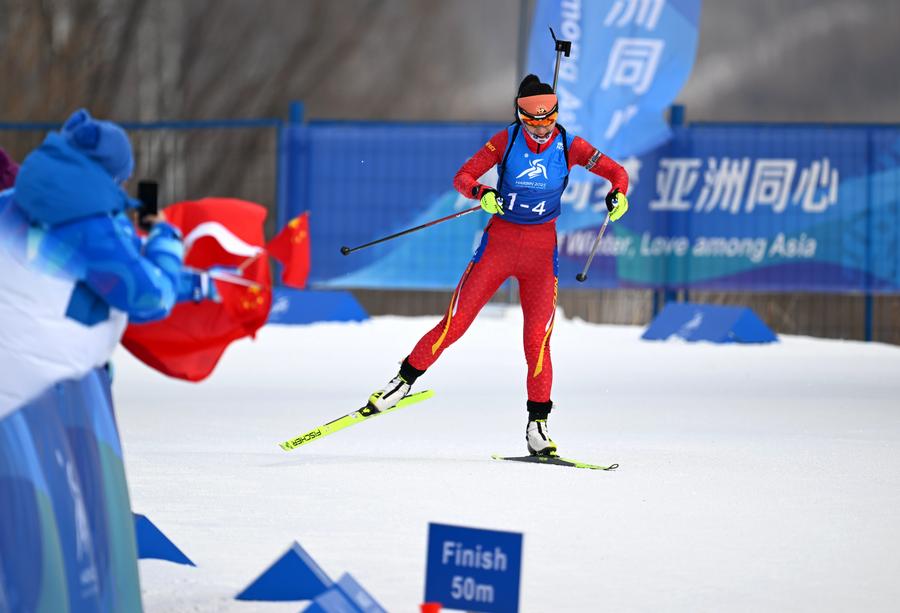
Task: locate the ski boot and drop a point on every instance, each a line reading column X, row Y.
column 398, row 387
column 537, row 437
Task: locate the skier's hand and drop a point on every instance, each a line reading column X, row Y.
column 491, row 202
column 616, row 204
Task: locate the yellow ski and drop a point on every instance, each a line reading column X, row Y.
column 351, row 419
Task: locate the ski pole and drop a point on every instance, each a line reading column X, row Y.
column 561, row 47
column 580, row 277
column 349, row 250
column 227, row 277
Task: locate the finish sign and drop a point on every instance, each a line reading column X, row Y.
column 470, row 569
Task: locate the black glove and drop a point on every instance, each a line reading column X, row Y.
column 616, row 204
column 612, row 199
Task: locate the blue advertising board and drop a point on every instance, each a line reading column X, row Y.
column 472, row 569
column 759, row 208
column 720, row 207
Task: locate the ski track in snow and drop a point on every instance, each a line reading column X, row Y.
column 752, row 478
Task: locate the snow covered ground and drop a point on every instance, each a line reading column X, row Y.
column 752, row 478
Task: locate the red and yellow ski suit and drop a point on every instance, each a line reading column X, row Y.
column 526, row 251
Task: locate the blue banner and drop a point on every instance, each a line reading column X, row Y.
column 361, row 182
column 723, row 207
column 762, row 208
column 629, row 60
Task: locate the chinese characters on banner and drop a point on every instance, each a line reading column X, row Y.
column 736, row 185
column 613, row 90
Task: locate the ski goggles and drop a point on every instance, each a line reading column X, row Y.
column 538, row 111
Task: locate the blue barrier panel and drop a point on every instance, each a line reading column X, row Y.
column 363, row 181
column 153, row 544
column 357, row 594
column 293, row 306
column 881, row 237
column 63, row 494
column 706, row 322
column 293, row 576
column 720, row 207
column 331, row 601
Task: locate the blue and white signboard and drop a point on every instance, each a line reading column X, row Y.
column 471, row 569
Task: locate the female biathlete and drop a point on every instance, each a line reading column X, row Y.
column 533, row 155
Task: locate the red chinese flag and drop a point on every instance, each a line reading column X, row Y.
column 248, row 303
column 219, row 231
column 291, row 248
column 189, row 343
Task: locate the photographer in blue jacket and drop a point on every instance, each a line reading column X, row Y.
column 75, row 270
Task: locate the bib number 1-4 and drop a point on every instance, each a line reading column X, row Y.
column 537, row 209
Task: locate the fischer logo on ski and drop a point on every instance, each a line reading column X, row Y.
column 306, row 437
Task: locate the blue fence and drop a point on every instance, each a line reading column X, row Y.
column 776, row 215
column 721, row 207
column 761, row 208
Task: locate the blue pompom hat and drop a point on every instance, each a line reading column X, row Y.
column 103, row 141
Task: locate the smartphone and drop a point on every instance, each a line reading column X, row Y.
column 148, row 194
